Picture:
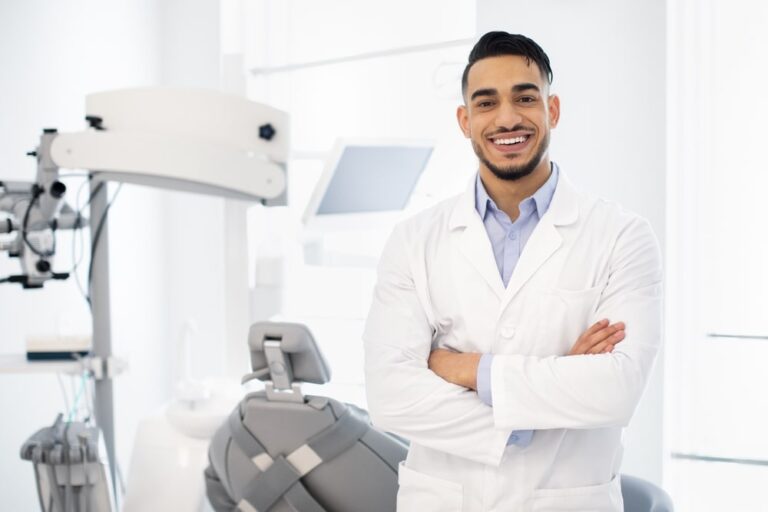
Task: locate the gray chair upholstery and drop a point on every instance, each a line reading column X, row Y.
column 643, row 496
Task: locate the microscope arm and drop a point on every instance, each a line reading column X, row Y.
column 169, row 161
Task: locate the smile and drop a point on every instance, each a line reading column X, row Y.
column 508, row 144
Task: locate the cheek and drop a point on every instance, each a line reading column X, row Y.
column 476, row 129
column 472, row 127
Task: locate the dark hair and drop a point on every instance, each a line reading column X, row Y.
column 495, row 44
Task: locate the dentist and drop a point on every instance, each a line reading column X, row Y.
column 488, row 344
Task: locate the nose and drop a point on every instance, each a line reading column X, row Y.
column 507, row 115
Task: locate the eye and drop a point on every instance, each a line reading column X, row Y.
column 527, row 99
column 484, row 104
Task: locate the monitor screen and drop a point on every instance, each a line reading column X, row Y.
column 373, row 179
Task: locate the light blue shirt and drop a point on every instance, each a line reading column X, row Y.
column 508, row 240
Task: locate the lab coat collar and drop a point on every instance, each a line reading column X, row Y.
column 563, row 210
column 544, row 240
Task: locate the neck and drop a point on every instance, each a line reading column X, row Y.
column 508, row 194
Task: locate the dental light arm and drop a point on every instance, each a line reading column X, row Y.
column 183, row 139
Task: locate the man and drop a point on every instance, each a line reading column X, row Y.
column 488, row 343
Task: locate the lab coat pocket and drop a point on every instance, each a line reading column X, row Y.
column 580, row 303
column 420, row 492
column 562, row 316
column 578, row 310
column 595, row 498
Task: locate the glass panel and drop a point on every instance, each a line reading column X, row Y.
column 717, row 401
column 716, row 487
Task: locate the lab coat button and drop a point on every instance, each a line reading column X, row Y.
column 508, row 332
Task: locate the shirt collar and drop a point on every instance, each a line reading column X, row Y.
column 541, row 198
column 481, row 197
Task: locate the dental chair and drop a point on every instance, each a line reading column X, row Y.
column 281, row 451
column 643, row 496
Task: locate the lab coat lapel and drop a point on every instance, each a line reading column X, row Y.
column 545, row 239
column 473, row 240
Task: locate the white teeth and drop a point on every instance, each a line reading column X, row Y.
column 516, row 140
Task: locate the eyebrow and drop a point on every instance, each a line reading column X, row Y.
column 483, row 92
column 516, row 88
column 525, row 87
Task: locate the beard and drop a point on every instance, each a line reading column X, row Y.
column 514, row 172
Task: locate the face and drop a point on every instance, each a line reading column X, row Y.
column 508, row 114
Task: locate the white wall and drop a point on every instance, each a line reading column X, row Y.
column 400, row 95
column 189, row 52
column 608, row 58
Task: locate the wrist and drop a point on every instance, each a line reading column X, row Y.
column 455, row 367
column 471, row 361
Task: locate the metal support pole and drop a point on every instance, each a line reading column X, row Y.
column 100, row 312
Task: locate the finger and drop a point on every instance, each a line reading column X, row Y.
column 581, row 346
column 596, row 327
column 601, row 348
column 610, row 329
column 618, row 336
column 584, row 342
column 615, row 339
column 612, row 340
column 611, row 345
column 606, row 332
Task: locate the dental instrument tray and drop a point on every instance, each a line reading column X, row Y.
column 70, row 473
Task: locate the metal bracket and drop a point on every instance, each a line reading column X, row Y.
column 103, row 368
column 284, row 395
column 281, row 387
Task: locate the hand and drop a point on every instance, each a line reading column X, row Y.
column 599, row 339
column 455, row 367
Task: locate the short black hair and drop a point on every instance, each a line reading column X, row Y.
column 498, row 43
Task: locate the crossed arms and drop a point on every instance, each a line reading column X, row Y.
column 428, row 398
column 461, row 368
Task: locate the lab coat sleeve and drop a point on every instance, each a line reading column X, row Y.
column 404, row 396
column 592, row 391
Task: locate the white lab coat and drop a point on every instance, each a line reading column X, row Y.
column 439, row 286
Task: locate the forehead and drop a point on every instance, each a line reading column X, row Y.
column 502, row 73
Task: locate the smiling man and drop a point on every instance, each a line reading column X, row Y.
column 489, row 342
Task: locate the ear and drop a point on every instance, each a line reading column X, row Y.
column 462, row 116
column 554, row 110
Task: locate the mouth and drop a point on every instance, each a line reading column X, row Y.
column 510, row 143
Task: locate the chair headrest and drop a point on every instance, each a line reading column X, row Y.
column 302, row 355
